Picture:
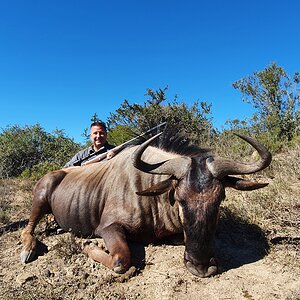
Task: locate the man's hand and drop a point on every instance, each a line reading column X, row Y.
column 110, row 154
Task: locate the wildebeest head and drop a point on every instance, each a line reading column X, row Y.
column 198, row 183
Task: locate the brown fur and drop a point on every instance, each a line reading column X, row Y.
column 100, row 200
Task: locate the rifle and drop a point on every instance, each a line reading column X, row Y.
column 111, row 153
column 78, row 162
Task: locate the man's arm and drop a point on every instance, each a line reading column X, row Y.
column 78, row 158
column 75, row 161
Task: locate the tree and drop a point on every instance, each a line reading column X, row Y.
column 275, row 96
column 31, row 147
column 132, row 119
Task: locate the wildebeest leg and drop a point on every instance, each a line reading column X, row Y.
column 40, row 207
column 118, row 259
column 29, row 241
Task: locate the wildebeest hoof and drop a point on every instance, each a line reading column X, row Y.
column 119, row 267
column 27, row 256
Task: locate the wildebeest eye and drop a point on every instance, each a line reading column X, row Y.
column 172, row 197
column 182, row 202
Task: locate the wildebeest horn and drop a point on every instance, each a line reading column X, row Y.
column 221, row 167
column 176, row 166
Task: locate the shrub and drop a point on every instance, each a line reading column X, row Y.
column 22, row 148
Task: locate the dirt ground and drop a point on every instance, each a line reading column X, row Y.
column 255, row 265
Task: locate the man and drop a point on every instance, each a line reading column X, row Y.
column 98, row 136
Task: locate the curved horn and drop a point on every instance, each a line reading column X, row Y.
column 175, row 166
column 221, row 167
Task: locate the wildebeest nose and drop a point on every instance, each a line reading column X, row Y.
column 201, row 269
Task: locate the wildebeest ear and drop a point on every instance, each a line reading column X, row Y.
column 159, row 188
column 242, row 184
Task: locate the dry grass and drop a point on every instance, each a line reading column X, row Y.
column 15, row 203
column 276, row 208
column 260, row 222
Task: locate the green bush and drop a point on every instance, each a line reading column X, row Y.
column 130, row 119
column 22, row 148
column 275, row 96
column 39, row 170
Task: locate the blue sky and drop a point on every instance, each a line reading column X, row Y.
column 61, row 61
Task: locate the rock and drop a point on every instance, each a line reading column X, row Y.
column 47, row 273
column 24, row 277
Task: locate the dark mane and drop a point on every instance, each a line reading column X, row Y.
column 172, row 141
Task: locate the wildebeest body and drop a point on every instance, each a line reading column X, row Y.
column 143, row 194
column 92, row 197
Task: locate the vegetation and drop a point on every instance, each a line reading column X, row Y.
column 275, row 96
column 257, row 241
column 258, row 232
column 30, row 151
column 132, row 119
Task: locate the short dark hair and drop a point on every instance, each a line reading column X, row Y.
column 100, row 124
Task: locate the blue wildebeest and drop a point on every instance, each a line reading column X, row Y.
column 143, row 194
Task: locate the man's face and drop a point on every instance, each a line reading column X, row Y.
column 98, row 136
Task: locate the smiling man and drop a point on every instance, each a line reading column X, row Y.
column 98, row 136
